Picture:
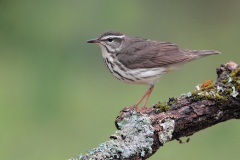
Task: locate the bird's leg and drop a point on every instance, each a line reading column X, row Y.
column 147, row 93
column 140, row 100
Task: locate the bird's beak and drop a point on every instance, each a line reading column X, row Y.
column 93, row 41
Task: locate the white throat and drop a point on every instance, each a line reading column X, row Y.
column 104, row 51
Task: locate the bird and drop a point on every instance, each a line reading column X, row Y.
column 143, row 61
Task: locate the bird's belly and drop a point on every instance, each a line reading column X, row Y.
column 148, row 75
column 135, row 76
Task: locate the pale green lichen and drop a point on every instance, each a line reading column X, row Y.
column 167, row 129
column 219, row 115
column 186, row 95
column 234, row 92
column 227, row 86
column 134, row 137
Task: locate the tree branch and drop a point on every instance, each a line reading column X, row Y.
column 141, row 133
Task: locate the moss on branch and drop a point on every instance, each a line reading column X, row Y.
column 141, row 133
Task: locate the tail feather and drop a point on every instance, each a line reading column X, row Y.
column 208, row 52
column 200, row 53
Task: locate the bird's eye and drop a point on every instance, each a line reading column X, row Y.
column 110, row 39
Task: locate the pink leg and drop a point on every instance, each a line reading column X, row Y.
column 147, row 97
column 147, row 94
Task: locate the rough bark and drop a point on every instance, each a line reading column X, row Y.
column 141, row 133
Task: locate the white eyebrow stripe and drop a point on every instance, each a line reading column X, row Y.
column 112, row 36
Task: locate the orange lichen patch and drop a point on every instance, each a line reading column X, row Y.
column 208, row 84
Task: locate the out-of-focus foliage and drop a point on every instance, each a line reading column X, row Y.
column 56, row 96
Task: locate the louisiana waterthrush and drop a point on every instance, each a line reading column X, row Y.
column 143, row 61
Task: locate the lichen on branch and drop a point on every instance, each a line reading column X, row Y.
column 141, row 133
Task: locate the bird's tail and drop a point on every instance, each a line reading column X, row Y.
column 207, row 52
column 200, row 53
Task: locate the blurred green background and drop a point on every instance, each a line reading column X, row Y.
column 57, row 98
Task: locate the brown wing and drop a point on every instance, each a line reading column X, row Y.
column 150, row 54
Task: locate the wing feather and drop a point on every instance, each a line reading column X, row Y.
column 150, row 54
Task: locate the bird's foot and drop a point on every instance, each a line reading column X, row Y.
column 136, row 108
